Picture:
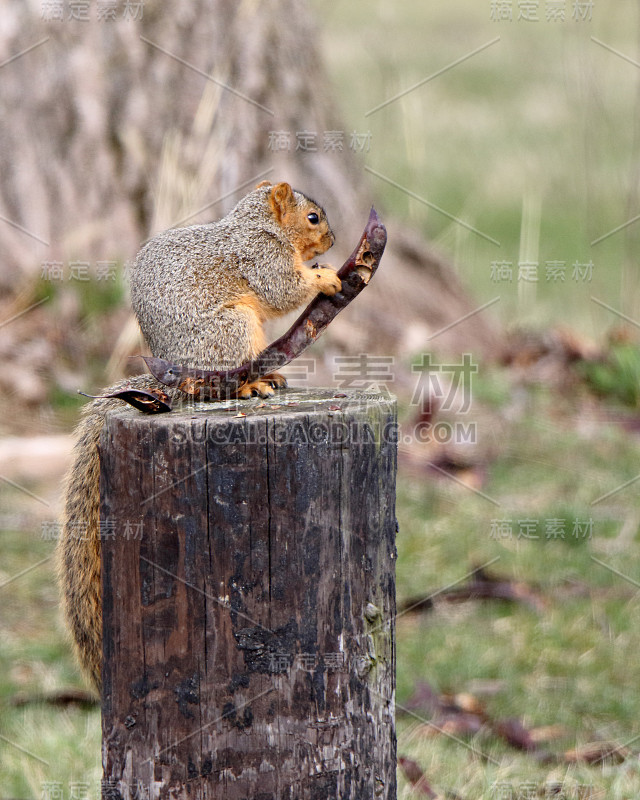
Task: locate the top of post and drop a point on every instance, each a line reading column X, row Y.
column 285, row 402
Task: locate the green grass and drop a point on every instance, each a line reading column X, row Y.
column 39, row 744
column 577, row 662
column 543, row 115
column 617, row 376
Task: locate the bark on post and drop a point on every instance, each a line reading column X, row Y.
column 249, row 600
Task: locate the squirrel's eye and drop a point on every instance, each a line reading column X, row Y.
column 313, row 218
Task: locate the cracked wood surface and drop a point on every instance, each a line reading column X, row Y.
column 249, row 599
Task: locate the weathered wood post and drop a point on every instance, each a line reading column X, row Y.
column 249, row 600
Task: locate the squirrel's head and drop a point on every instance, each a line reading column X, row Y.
column 303, row 221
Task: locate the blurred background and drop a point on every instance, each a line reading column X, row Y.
column 499, row 141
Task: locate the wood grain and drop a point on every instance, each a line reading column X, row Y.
column 249, row 625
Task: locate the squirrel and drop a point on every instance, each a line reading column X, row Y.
column 201, row 295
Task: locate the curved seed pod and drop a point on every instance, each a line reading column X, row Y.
column 149, row 402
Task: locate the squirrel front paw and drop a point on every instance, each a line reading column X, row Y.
column 327, row 280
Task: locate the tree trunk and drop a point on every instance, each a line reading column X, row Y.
column 122, row 135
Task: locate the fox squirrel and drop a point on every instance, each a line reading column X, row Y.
column 201, row 295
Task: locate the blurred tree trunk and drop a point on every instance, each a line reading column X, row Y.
column 112, row 131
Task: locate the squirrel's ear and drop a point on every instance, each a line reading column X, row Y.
column 280, row 198
column 263, row 183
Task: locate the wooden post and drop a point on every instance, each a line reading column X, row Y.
column 249, row 598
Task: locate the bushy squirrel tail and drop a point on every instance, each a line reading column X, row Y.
column 78, row 550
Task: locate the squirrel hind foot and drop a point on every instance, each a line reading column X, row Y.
column 264, row 387
column 260, row 388
column 276, row 380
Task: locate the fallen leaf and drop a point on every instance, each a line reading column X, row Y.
column 547, row 733
column 515, row 733
column 412, row 771
column 595, row 752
